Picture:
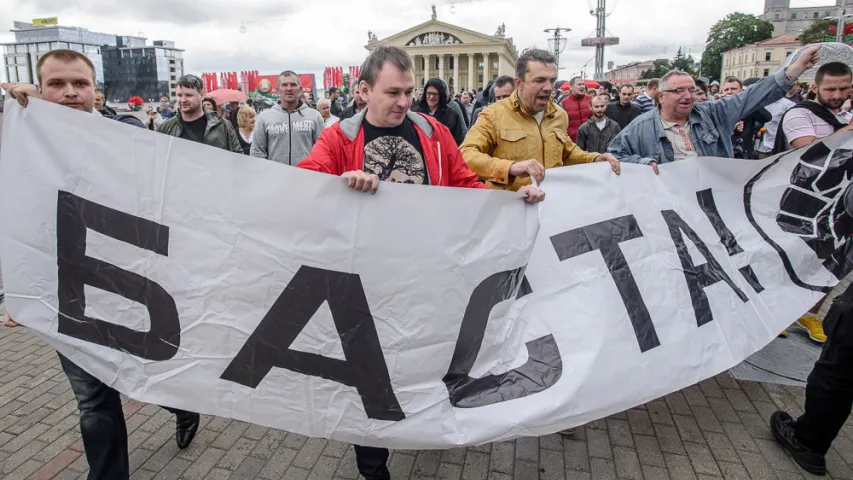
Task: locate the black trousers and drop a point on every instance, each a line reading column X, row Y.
column 101, row 424
column 372, row 462
column 829, row 390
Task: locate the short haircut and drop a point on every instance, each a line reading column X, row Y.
column 191, row 81
column 212, row 101
column 288, row 73
column 323, row 101
column 626, row 86
column 65, row 56
column 379, row 57
column 100, row 92
column 245, row 114
column 735, row 80
column 522, row 66
column 502, row 80
column 833, row 69
column 333, row 90
column 572, row 81
column 162, row 97
column 603, row 97
column 663, row 83
column 655, row 82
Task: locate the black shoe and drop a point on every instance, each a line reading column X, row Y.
column 784, row 429
column 185, row 428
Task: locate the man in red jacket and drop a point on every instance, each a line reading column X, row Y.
column 387, row 142
column 576, row 105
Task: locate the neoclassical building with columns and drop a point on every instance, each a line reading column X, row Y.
column 463, row 58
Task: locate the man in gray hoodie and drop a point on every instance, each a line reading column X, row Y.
column 287, row 132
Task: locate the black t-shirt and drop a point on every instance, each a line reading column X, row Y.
column 395, row 154
column 197, row 127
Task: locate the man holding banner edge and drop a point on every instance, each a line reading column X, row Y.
column 67, row 78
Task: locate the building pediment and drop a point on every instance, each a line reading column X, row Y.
column 435, row 32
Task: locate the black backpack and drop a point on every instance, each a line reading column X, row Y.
column 818, row 110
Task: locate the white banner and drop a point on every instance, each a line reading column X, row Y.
column 195, row 278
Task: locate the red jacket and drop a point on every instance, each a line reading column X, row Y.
column 340, row 149
column 579, row 112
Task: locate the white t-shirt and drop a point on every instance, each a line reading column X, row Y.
column 777, row 109
column 539, row 116
column 801, row 123
column 601, row 124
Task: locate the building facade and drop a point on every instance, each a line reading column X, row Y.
column 629, row 73
column 760, row 59
column 124, row 65
column 148, row 71
column 463, row 58
column 792, row 21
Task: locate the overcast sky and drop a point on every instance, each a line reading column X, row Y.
column 308, row 35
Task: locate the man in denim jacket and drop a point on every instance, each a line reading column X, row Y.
column 680, row 129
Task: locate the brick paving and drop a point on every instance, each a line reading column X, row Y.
column 716, row 429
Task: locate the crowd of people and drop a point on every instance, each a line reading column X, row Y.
column 504, row 137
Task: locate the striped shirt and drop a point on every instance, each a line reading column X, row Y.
column 645, row 102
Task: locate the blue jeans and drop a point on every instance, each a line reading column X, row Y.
column 101, row 424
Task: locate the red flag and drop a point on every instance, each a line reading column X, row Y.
column 340, row 77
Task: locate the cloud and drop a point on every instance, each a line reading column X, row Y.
column 177, row 12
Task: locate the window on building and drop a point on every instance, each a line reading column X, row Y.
column 43, row 47
column 76, row 47
column 788, row 53
column 767, row 56
column 816, row 14
column 793, row 16
column 766, row 72
column 753, row 57
column 450, row 62
column 436, row 62
column 23, row 74
column 776, row 17
column 21, row 48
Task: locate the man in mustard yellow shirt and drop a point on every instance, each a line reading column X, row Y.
column 519, row 137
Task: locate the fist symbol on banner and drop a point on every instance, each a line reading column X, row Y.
column 812, row 206
column 810, row 230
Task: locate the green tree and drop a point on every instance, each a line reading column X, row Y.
column 683, row 62
column 659, row 70
column 816, row 32
column 734, row 31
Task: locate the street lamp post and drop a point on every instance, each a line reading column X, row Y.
column 557, row 43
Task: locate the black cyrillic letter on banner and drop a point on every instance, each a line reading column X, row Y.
column 698, row 277
column 364, row 367
column 73, row 216
column 605, row 237
column 543, row 368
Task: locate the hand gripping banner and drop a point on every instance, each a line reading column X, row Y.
column 419, row 317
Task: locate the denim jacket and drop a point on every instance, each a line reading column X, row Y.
column 711, row 125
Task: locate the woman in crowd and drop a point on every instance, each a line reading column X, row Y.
column 246, row 122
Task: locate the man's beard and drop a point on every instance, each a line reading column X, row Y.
column 830, row 104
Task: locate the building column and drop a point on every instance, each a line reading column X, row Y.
column 501, row 65
column 441, row 67
column 456, row 79
column 427, row 65
column 485, row 70
column 471, row 71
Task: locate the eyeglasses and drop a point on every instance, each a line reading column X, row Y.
column 433, row 95
column 680, row 91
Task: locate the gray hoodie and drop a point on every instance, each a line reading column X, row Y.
column 286, row 137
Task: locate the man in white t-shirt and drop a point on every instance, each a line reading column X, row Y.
column 815, row 119
column 776, row 109
column 812, row 120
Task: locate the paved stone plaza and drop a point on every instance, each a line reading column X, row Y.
column 717, row 429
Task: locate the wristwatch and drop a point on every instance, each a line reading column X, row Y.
column 789, row 77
